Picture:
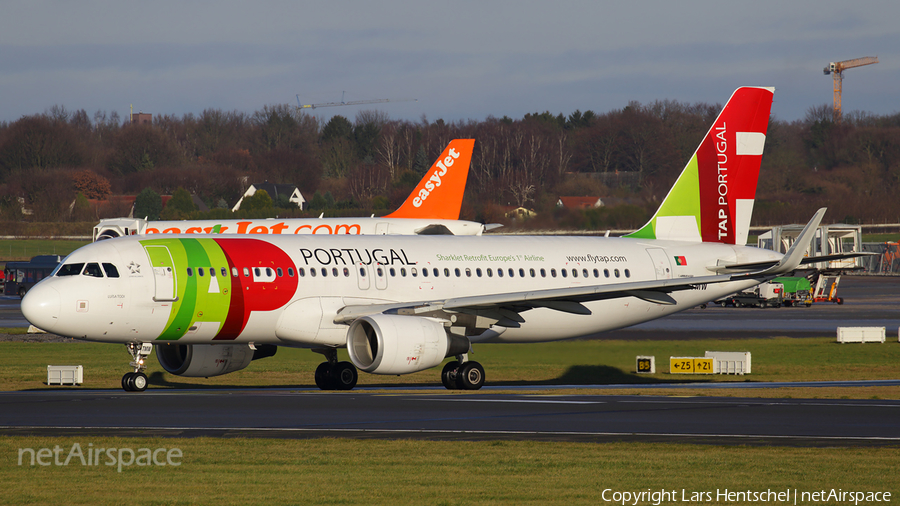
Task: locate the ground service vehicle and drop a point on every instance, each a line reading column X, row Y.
column 19, row 277
column 797, row 290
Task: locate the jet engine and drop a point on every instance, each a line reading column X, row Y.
column 393, row 344
column 205, row 360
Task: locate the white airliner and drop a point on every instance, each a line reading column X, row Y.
column 431, row 209
column 402, row 304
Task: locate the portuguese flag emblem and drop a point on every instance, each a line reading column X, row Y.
column 680, row 261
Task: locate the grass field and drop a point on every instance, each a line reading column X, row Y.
column 23, row 249
column 332, row 471
column 23, row 366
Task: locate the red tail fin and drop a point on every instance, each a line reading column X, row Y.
column 439, row 194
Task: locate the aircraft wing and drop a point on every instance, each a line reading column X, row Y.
column 506, row 306
column 805, row 261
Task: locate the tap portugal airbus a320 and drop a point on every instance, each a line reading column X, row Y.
column 431, row 209
column 401, row 304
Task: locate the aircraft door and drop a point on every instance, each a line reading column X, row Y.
column 163, row 273
column 660, row 263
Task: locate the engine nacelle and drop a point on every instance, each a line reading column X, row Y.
column 205, row 360
column 392, row 344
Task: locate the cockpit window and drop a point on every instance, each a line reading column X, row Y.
column 70, row 270
column 93, row 270
column 111, row 271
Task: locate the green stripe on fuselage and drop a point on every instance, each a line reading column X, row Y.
column 201, row 299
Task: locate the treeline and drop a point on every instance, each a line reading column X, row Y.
column 630, row 157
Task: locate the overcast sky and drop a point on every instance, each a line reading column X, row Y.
column 460, row 59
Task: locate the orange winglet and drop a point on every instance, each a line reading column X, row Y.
column 439, row 194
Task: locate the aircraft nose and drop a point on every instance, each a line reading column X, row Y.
column 41, row 306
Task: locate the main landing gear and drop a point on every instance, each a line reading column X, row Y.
column 137, row 381
column 334, row 375
column 462, row 374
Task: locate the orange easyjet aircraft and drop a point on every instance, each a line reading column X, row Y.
column 432, row 208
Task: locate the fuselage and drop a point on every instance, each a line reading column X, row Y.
column 287, row 290
column 111, row 228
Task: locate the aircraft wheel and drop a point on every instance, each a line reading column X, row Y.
column 449, row 375
column 323, row 376
column 470, row 376
column 138, row 382
column 344, row 376
column 125, row 381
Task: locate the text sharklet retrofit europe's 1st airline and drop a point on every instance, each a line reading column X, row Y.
column 431, row 209
column 209, row 305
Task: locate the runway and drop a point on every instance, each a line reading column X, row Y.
column 308, row 414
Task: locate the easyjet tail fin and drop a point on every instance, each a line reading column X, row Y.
column 439, row 194
column 712, row 199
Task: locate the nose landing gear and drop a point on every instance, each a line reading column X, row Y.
column 137, row 381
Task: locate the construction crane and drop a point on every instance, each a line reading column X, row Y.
column 836, row 69
column 352, row 102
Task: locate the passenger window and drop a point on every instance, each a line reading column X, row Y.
column 616, row 272
column 200, row 271
column 93, row 270
column 605, row 273
column 543, row 273
column 584, row 273
column 564, row 273
column 268, row 272
column 324, row 272
column 393, row 272
column 280, row 272
column 224, row 272
column 414, row 272
column 447, row 272
column 574, row 273
column 70, row 270
column 379, row 271
column 362, row 272
column 553, row 273
column 246, row 272
column 468, row 272
column 499, row 273
column 111, row 271
column 334, row 271
column 490, row 273
column 190, row 272
column 312, row 272
column 478, row 272
column 403, row 271
column 436, row 272
column 256, row 272
column 424, row 273
column 290, row 271
column 627, row 273
column 302, row 272
column 212, row 272
column 596, row 273
column 346, row 272
column 512, row 273
column 531, row 271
